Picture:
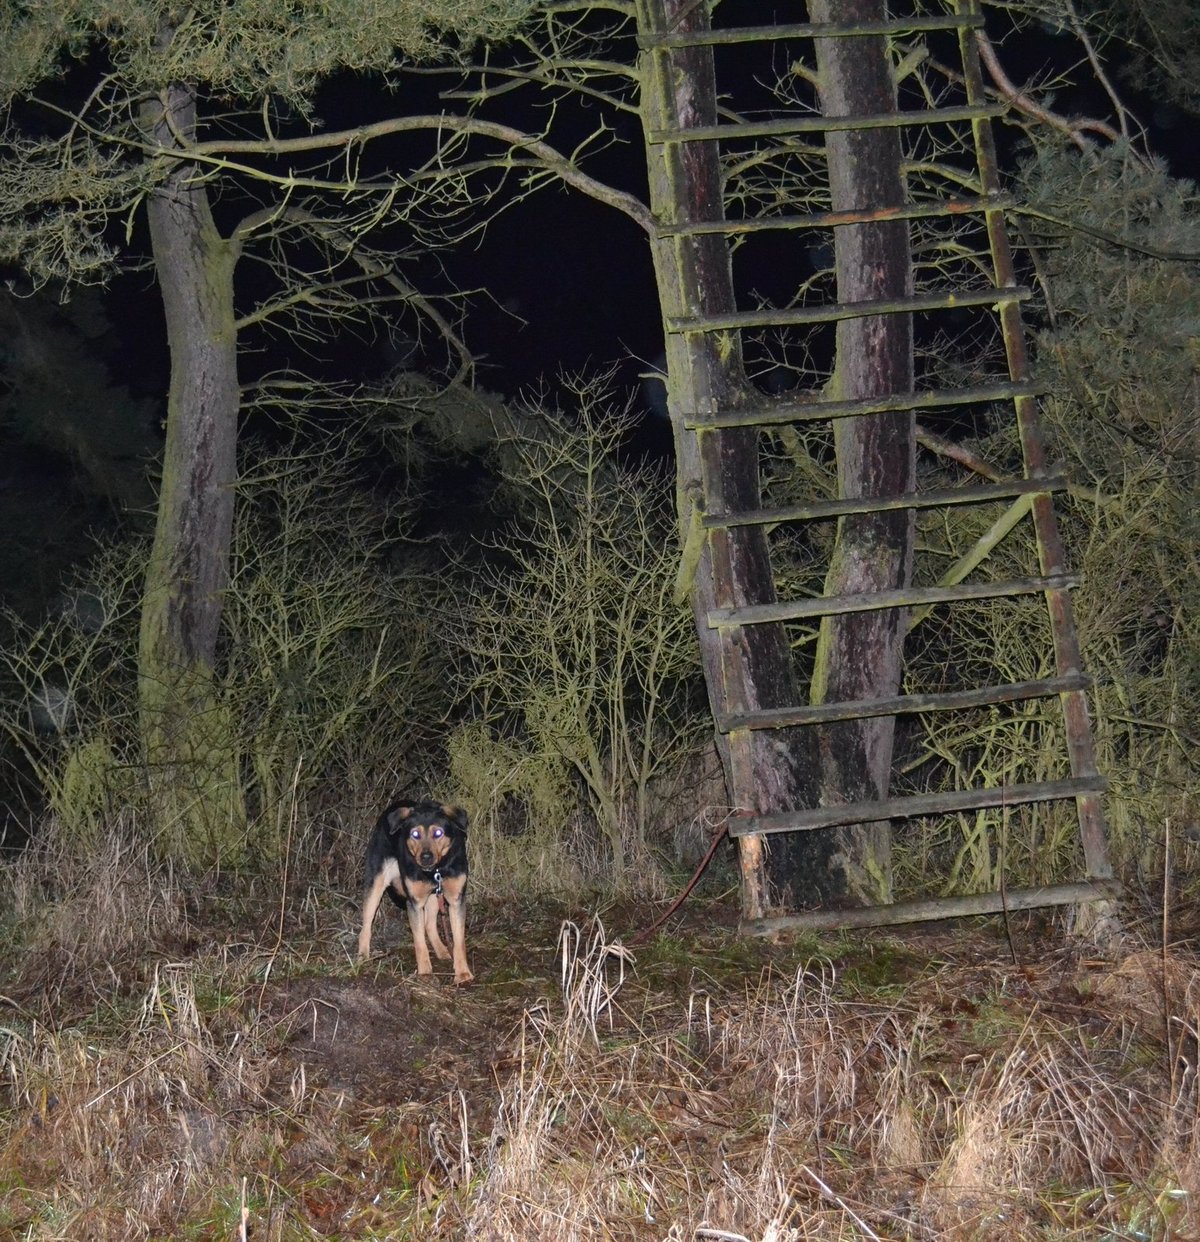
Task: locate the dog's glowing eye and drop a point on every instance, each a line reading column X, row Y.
column 415, row 834
column 439, row 832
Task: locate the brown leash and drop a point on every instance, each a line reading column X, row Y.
column 718, row 836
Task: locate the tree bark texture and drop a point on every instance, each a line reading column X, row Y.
column 704, row 372
column 185, row 732
column 859, row 655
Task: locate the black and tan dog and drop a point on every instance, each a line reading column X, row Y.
column 418, row 852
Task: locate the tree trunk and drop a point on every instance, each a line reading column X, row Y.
column 185, row 728
column 859, row 655
column 704, row 372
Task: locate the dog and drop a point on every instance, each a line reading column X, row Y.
column 418, row 852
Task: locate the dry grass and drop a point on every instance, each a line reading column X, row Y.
column 72, row 911
column 174, row 1065
column 804, row 1109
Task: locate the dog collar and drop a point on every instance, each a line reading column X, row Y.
column 437, row 882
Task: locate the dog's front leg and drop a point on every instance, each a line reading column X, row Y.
column 456, row 899
column 371, row 901
column 416, row 920
column 431, row 929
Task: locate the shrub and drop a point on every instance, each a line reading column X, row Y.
column 570, row 647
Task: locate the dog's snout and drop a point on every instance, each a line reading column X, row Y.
column 425, row 858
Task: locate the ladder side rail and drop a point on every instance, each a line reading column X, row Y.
column 1080, row 743
column 712, row 464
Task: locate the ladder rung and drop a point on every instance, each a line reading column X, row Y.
column 816, row 410
column 871, row 601
column 935, row 498
column 901, row 704
column 947, row 803
column 834, row 219
column 816, row 123
column 835, row 311
column 931, row 908
column 811, row 30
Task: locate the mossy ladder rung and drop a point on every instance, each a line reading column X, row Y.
column 872, row 601
column 810, row 30
column 949, row 802
column 971, row 205
column 923, row 910
column 933, row 498
column 803, row 123
column 818, row 409
column 901, row 704
column 831, row 312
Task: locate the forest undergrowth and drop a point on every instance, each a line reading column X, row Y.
column 199, row 1057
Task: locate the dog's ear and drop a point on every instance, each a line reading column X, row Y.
column 395, row 816
column 457, row 816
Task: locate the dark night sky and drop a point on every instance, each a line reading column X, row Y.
column 569, row 281
column 576, row 272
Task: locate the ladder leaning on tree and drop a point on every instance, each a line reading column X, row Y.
column 981, row 206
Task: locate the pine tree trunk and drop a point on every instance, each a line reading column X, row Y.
column 704, row 372
column 859, row 655
column 185, row 728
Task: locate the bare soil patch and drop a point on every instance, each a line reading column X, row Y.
column 385, row 1040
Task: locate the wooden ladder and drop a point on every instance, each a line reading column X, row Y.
column 1031, row 495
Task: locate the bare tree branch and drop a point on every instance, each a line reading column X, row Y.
column 1024, row 102
column 216, row 153
column 373, row 268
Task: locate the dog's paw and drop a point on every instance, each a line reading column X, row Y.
column 463, row 976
